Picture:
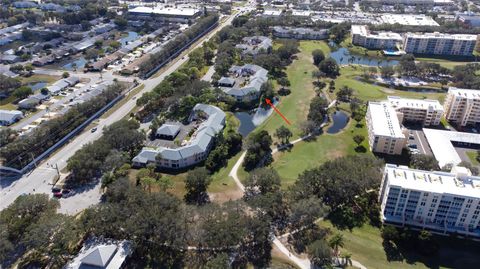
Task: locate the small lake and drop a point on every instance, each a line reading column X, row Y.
column 132, row 36
column 340, row 120
column 37, row 85
column 78, row 63
column 246, row 123
column 343, row 56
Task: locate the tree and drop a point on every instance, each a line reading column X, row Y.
column 65, row 75
column 336, row 242
column 121, row 22
column 284, row 134
column 318, row 109
column 318, row 56
column 267, row 93
column 407, row 65
column 387, row 71
column 22, row 92
column 262, row 181
column 330, row 67
column 345, row 94
column 259, row 152
column 424, row 162
column 317, row 74
column 196, row 184
column 320, row 253
column 340, row 31
column 358, row 139
column 347, row 259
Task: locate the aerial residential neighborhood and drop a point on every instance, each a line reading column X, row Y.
column 240, row 134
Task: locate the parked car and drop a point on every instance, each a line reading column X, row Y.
column 55, row 190
column 412, row 146
column 57, row 195
column 94, row 129
column 67, row 193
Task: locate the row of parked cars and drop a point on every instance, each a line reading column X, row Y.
column 62, row 193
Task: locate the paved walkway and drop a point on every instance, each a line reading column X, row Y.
column 300, row 262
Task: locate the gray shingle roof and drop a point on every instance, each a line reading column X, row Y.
column 197, row 145
column 257, row 76
column 168, row 130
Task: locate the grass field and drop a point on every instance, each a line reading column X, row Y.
column 472, row 155
column 307, row 155
column 38, row 78
column 295, row 106
column 365, row 245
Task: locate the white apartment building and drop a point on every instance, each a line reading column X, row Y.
column 462, row 106
column 440, row 43
column 361, row 36
column 441, row 202
column 384, row 132
column 428, row 112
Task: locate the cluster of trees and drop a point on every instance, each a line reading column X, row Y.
column 346, row 186
column 397, row 240
column 8, row 85
column 173, row 47
column 227, row 144
column 20, row 152
column 161, row 227
column 326, row 66
column 259, row 152
column 32, row 229
column 119, row 143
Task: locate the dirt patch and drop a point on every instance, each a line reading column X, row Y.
column 225, row 196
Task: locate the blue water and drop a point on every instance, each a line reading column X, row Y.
column 246, row 123
column 132, row 36
column 37, row 85
column 80, row 62
column 340, row 120
column 343, row 56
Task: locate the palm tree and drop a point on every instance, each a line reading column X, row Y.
column 336, row 242
column 347, row 259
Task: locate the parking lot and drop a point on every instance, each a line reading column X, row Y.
column 416, row 139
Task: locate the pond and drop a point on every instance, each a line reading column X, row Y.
column 35, row 86
column 250, row 120
column 132, row 36
column 340, row 120
column 343, row 56
column 246, row 123
column 78, row 63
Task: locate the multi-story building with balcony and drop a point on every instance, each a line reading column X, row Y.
column 361, row 36
column 440, row 44
column 462, row 106
column 442, row 202
column 384, row 131
column 427, row 112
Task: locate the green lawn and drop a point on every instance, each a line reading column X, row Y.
column 447, row 63
column 307, row 155
column 365, row 245
column 295, row 106
column 38, row 78
column 472, row 155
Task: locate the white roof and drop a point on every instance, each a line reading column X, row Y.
column 399, row 102
column 442, row 36
column 432, row 181
column 440, row 142
column 108, row 255
column 465, row 93
column 364, row 31
column 272, row 12
column 165, row 11
column 384, row 120
column 408, row 19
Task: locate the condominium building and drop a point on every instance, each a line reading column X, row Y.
column 384, row 132
column 299, row 33
column 462, row 106
column 254, row 45
column 361, row 36
column 427, row 112
column 190, row 152
column 244, row 82
column 441, row 202
column 440, row 44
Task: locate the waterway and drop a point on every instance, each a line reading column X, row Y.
column 132, row 36
column 343, row 57
column 78, row 63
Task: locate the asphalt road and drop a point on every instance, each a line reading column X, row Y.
column 40, row 179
